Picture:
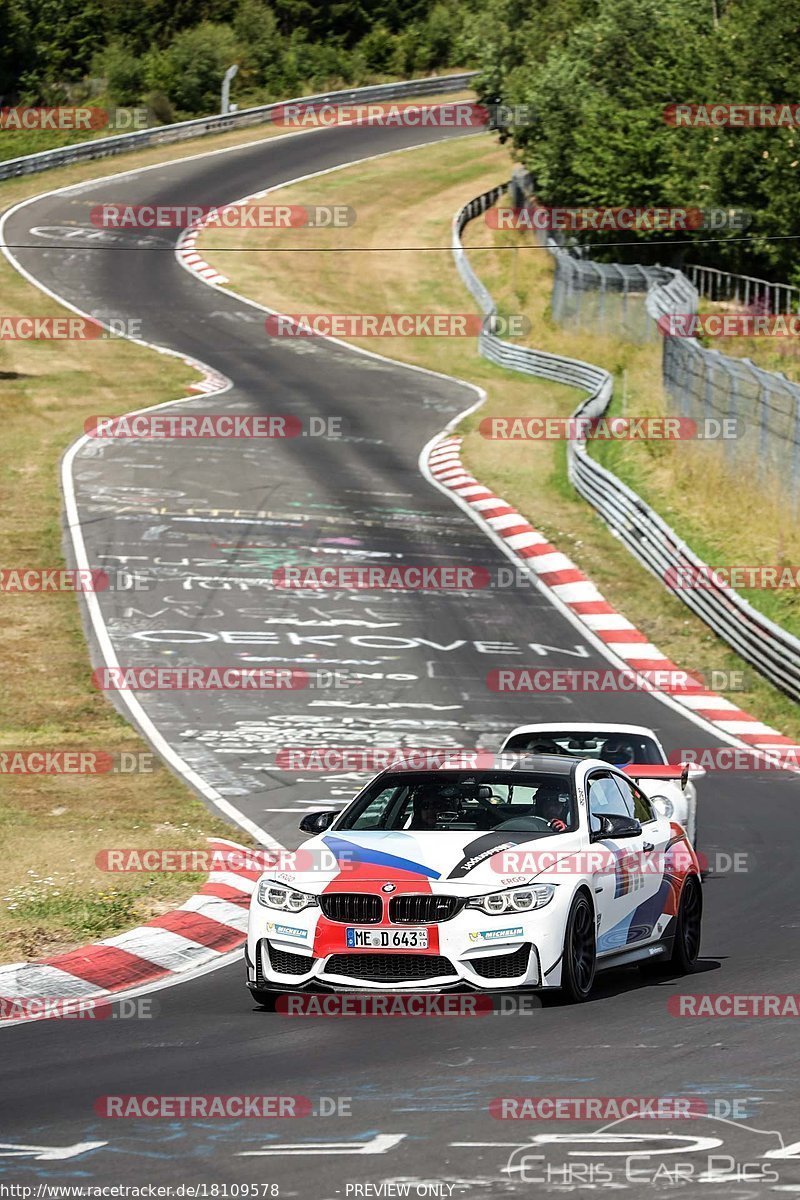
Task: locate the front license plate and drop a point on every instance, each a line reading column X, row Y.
column 387, row 939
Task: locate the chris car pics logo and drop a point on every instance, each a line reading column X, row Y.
column 722, row 1147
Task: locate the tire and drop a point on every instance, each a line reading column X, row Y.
column 580, row 952
column 688, row 927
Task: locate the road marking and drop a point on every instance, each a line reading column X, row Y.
column 484, row 1145
column 380, row 1143
column 48, row 1153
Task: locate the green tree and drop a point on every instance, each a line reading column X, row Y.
column 191, row 69
column 66, row 35
column 758, row 169
column 262, row 46
column 123, row 71
column 377, row 49
column 17, row 51
column 599, row 89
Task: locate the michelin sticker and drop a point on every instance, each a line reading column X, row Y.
column 491, row 935
column 286, row 930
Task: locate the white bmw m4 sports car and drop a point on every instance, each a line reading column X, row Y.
column 635, row 749
column 534, row 872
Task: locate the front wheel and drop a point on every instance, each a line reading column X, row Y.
column 686, row 943
column 580, row 952
column 686, row 947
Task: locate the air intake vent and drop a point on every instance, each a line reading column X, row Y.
column 424, row 909
column 389, row 968
column 356, row 908
column 502, row 966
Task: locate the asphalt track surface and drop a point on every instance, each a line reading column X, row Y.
column 205, row 526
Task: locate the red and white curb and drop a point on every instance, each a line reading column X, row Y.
column 207, row 926
column 556, row 572
column 187, row 255
column 211, row 383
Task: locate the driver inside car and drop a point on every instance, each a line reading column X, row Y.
column 429, row 805
column 618, row 752
column 554, row 808
column 542, row 745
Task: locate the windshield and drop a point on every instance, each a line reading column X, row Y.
column 620, row 749
column 505, row 801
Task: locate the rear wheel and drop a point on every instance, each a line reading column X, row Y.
column 580, row 952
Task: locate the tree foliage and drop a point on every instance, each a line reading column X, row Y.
column 599, row 82
column 179, row 49
column 597, row 74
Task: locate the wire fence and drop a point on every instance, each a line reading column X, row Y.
column 624, row 300
column 606, row 297
column 765, row 405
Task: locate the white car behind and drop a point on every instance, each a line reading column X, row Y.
column 635, row 749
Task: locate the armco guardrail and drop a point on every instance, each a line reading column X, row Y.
column 164, row 134
column 770, row 649
column 505, row 354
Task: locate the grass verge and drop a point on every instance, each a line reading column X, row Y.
column 426, row 187
column 53, row 896
column 775, row 353
column 51, row 827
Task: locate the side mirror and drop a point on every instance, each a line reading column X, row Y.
column 616, row 827
column 317, row 822
column 696, row 771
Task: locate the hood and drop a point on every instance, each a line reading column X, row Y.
column 416, row 860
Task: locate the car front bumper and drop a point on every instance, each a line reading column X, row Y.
column 516, row 965
column 472, row 951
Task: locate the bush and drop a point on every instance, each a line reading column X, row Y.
column 160, row 107
column 408, row 52
column 123, row 72
column 262, row 46
column 308, row 64
column 376, row 50
column 191, row 69
column 438, row 34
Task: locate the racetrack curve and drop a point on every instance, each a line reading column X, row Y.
column 187, row 519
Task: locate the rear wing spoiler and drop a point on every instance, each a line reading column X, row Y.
column 658, row 771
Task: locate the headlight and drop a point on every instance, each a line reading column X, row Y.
column 663, row 805
column 275, row 895
column 515, row 900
